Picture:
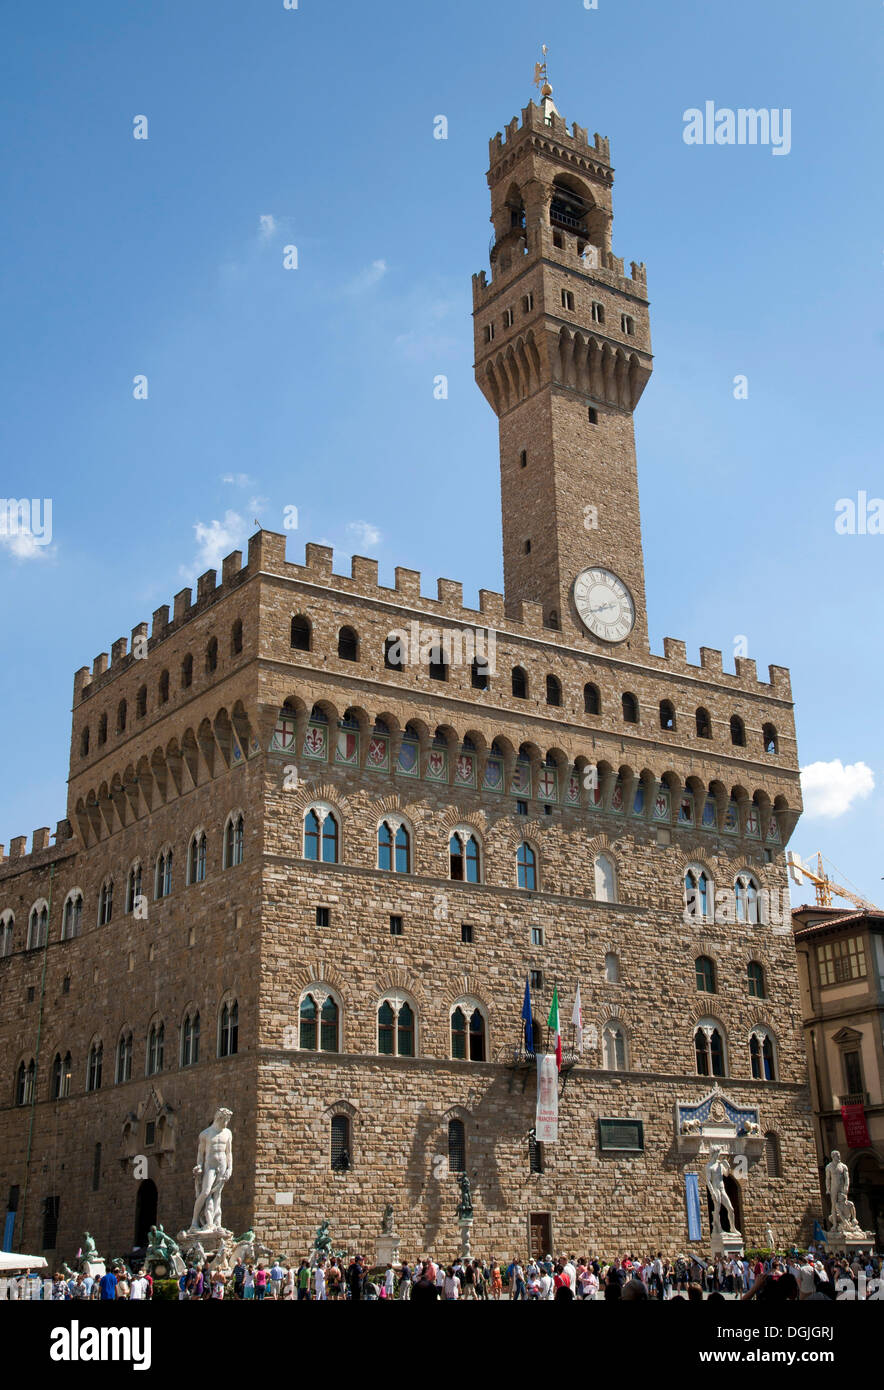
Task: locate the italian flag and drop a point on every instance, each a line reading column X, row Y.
column 555, row 1025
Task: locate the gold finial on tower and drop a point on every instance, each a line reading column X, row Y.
column 541, row 75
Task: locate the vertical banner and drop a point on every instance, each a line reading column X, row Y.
column 546, row 1122
column 856, row 1131
column 692, row 1201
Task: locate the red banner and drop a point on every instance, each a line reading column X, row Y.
column 856, row 1131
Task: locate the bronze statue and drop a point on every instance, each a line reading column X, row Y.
column 465, row 1205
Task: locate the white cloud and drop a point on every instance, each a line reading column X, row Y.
column 237, row 479
column 364, row 533
column 22, row 545
column 267, row 224
column 367, row 278
column 830, row 789
column 215, row 539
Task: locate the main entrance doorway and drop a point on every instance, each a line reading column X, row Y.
column 145, row 1210
column 540, row 1234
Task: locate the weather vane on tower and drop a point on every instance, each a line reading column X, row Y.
column 541, row 75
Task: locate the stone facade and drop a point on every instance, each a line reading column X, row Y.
column 247, row 702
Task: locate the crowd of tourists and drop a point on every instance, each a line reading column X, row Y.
column 775, row 1277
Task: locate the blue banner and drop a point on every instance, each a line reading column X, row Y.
column 819, row 1234
column 692, row 1201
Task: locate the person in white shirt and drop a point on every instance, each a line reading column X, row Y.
column 289, row 1288
column 139, row 1286
column 450, row 1284
column 388, row 1282
column 570, row 1274
column 547, row 1288
column 319, row 1281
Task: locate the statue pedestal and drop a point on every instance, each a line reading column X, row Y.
column 387, row 1249
column 94, row 1268
column 726, row 1243
column 856, row 1240
column 465, row 1228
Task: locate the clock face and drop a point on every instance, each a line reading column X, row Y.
column 605, row 604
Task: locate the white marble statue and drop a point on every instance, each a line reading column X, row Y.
column 214, row 1165
column 842, row 1220
column 717, row 1170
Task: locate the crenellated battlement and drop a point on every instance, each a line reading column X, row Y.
column 553, row 128
column 20, row 858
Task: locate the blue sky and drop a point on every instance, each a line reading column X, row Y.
column 313, row 387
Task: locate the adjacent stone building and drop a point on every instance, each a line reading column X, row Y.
column 319, row 831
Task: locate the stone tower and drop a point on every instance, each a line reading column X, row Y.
column 563, row 352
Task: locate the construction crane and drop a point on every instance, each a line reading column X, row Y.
column 824, row 885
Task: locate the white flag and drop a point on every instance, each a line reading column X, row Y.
column 546, row 1122
column 577, row 1020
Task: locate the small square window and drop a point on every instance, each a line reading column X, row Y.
column 593, row 415
column 547, row 810
column 537, row 936
column 395, row 926
column 536, row 980
column 527, row 303
column 323, row 916
column 521, row 808
column 466, row 933
column 66, row 985
column 30, row 994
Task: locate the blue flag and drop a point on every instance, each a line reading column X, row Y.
column 526, row 1014
column 692, row 1201
column 819, row 1234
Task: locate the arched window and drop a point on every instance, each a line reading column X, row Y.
column 464, row 858
column 228, row 1029
column 747, row 900
column 321, row 835
column 106, row 902
column 698, row 895
column 72, row 917
column 124, row 1058
column 520, row 683
column 102, row 730
column 341, row 1147
column 60, row 1082
column 395, row 1027
column 141, row 702
column 773, row 1155
column 769, row 738
column 468, row 1032
column 704, row 724
column 592, row 701
column 7, row 927
column 348, row 644
column 755, row 973
column 738, row 731
column 163, row 688
column 630, row 708
column 394, row 659
column 612, row 968
column 211, row 655
column 234, row 836
column 236, row 638
column 133, row 887
column 55, row 1078
column 479, row 679
column 605, row 879
column 705, row 968
column 190, row 1039
column 301, row 633
column 319, row 1022
column 38, row 925
column 163, row 876
column 553, row 690
column 457, row 1147
column 709, row 1048
column 526, row 860
column 614, row 1048
column 762, row 1054
column 156, row 1044
column 93, row 1071
column 84, row 742
column 121, row 717
column 196, row 859
column 667, row 715
column 24, row 1083
column 187, row 672
column 394, row 848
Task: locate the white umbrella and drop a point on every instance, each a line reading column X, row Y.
column 10, row 1261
